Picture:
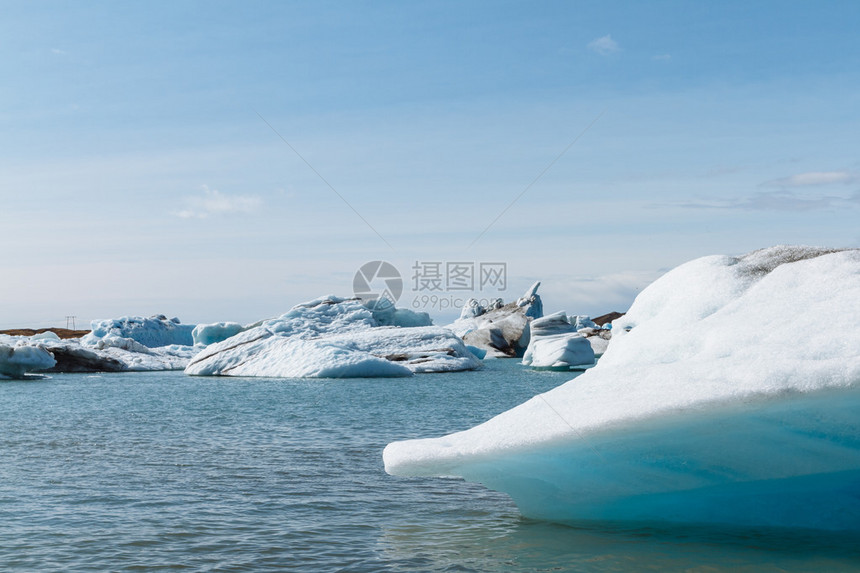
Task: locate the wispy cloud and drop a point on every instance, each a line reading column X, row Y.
column 662, row 57
column 598, row 294
column 58, row 51
column 777, row 201
column 212, row 202
column 604, row 46
column 814, row 178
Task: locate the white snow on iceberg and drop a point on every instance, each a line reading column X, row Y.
column 726, row 402
column 206, row 334
column 113, row 354
column 151, row 332
column 333, row 337
column 554, row 343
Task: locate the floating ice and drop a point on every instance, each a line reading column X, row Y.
column 581, row 321
column 333, row 337
column 17, row 361
column 554, row 343
column 471, row 309
column 47, row 335
column 207, row 334
column 531, row 303
column 152, row 332
column 114, row 354
column 391, row 316
column 499, row 329
column 733, row 398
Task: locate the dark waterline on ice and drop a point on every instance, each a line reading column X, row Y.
column 157, row 471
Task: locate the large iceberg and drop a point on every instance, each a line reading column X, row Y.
column 729, row 394
column 333, row 337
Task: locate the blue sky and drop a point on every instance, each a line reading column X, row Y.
column 137, row 176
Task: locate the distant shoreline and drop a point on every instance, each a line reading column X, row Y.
column 63, row 333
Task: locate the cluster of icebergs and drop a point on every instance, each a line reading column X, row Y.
column 116, row 345
column 720, row 399
column 329, row 337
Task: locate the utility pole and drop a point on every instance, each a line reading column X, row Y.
column 70, row 320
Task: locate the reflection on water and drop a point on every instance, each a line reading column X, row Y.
column 516, row 544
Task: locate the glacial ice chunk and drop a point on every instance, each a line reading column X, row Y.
column 403, row 317
column 207, row 334
column 333, row 337
column 722, row 404
column 499, row 329
column 531, row 302
column 554, row 343
column 17, row 361
column 581, row 321
column 47, row 335
column 471, row 309
column 152, row 332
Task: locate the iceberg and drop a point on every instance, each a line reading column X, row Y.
column 471, row 309
column 333, row 337
column 152, row 332
column 722, row 399
column 206, row 334
column 113, row 354
column 598, row 338
column 115, row 345
column 500, row 330
column 554, row 343
column 18, row 361
column 582, row 321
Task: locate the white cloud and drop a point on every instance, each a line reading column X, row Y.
column 604, row 46
column 58, row 51
column 814, row 178
column 662, row 57
column 595, row 295
column 213, row 202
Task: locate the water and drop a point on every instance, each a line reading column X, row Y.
column 159, row 471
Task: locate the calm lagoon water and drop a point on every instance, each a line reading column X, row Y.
column 160, row 471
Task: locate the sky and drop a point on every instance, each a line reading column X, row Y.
column 226, row 160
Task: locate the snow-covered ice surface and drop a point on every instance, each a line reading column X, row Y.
column 109, row 352
column 153, row 332
column 554, row 343
column 114, row 354
column 732, row 399
column 333, row 337
column 207, row 334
